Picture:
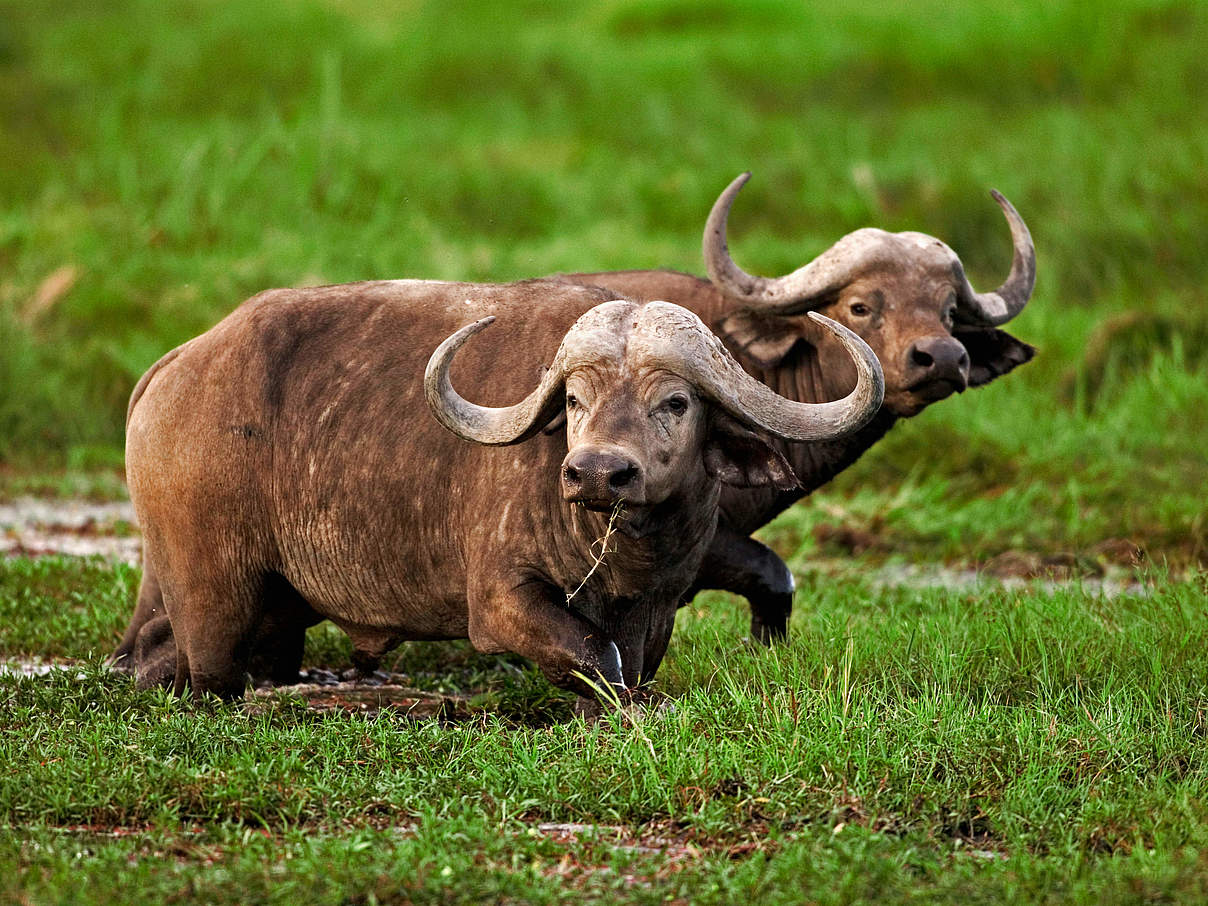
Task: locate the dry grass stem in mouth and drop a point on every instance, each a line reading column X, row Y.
column 598, row 558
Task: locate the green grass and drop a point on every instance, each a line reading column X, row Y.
column 1010, row 744
column 64, row 607
column 164, row 160
column 156, row 176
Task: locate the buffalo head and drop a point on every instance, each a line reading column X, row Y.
column 653, row 402
column 906, row 294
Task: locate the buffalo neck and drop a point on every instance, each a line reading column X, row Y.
column 654, row 563
column 800, row 377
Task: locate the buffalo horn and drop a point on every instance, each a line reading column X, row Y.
column 801, row 290
column 1000, row 306
column 485, row 424
column 812, row 285
column 720, row 378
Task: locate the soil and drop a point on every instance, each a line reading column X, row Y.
column 324, row 690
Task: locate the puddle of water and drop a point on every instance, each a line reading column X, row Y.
column 33, row 527
column 914, row 575
column 34, row 667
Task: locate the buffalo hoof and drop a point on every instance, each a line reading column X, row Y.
column 633, row 705
column 154, row 654
column 122, row 663
column 769, row 632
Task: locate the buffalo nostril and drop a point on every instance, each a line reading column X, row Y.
column 622, row 478
column 571, row 473
column 921, row 358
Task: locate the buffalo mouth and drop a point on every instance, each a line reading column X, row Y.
column 935, row 389
column 596, row 506
column 625, row 506
column 632, row 519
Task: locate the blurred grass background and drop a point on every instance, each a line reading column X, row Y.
column 163, row 160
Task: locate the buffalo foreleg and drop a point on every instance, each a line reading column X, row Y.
column 740, row 564
column 153, row 655
column 531, row 618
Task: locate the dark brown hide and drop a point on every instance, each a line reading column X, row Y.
column 285, row 469
column 903, row 305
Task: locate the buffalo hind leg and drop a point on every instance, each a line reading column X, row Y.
column 150, row 607
column 742, row 565
column 216, row 628
column 149, row 649
column 154, row 656
column 281, row 637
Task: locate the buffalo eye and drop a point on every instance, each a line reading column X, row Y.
column 572, row 401
column 677, row 405
column 949, row 315
column 860, row 310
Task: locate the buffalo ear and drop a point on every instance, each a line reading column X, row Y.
column 742, row 459
column 764, row 339
column 992, row 353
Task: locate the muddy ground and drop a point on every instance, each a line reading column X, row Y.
column 34, row 527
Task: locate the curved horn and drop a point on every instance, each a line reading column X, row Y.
column 834, row 268
column 823, row 276
column 720, row 378
column 485, row 424
column 1000, row 306
column 728, row 276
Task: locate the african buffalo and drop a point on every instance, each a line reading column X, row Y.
column 285, row 468
column 906, row 294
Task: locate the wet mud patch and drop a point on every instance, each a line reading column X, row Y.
column 327, row 692
column 1112, row 567
column 1033, row 574
column 666, row 837
column 659, row 850
column 321, row 690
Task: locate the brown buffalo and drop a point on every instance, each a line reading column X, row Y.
column 906, row 294
column 285, row 468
